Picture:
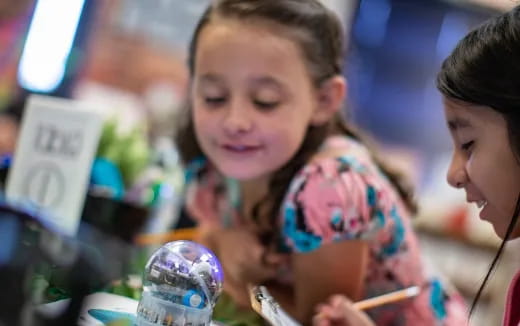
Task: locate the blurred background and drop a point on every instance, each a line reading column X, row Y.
column 127, row 57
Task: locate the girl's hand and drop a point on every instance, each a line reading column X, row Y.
column 244, row 258
column 340, row 312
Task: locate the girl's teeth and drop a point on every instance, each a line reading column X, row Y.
column 481, row 203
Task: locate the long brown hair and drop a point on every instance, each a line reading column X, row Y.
column 321, row 40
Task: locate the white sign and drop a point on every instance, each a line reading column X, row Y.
column 53, row 158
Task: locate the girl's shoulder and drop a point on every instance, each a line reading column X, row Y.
column 343, row 166
column 341, row 154
column 343, row 171
column 339, row 195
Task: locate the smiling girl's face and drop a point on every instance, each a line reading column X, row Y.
column 253, row 98
column 483, row 162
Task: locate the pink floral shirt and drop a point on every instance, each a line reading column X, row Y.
column 339, row 198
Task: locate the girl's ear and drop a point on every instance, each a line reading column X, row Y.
column 330, row 99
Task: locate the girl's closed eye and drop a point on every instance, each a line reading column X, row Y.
column 266, row 98
column 266, row 105
column 211, row 92
column 467, row 146
column 215, row 100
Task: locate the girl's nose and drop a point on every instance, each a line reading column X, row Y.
column 237, row 120
column 457, row 176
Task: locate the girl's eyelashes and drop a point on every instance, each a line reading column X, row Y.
column 215, row 100
column 266, row 105
column 266, row 97
column 263, row 105
column 467, row 145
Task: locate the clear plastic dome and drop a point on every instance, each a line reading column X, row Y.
column 181, row 284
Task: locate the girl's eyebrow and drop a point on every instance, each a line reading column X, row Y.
column 266, row 81
column 209, row 77
column 210, row 80
column 458, row 123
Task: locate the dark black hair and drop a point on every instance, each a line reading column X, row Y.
column 484, row 69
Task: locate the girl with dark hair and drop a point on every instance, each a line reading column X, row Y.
column 480, row 82
column 282, row 190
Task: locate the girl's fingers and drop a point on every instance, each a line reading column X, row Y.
column 273, row 259
column 330, row 314
column 320, row 319
column 340, row 301
column 336, row 314
column 255, row 273
column 319, row 307
column 339, row 311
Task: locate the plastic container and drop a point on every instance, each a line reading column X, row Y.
column 181, row 284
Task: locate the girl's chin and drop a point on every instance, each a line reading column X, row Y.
column 516, row 231
column 245, row 171
column 240, row 174
column 502, row 230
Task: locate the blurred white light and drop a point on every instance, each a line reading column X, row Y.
column 49, row 41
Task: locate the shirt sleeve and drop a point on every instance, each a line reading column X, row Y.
column 333, row 200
